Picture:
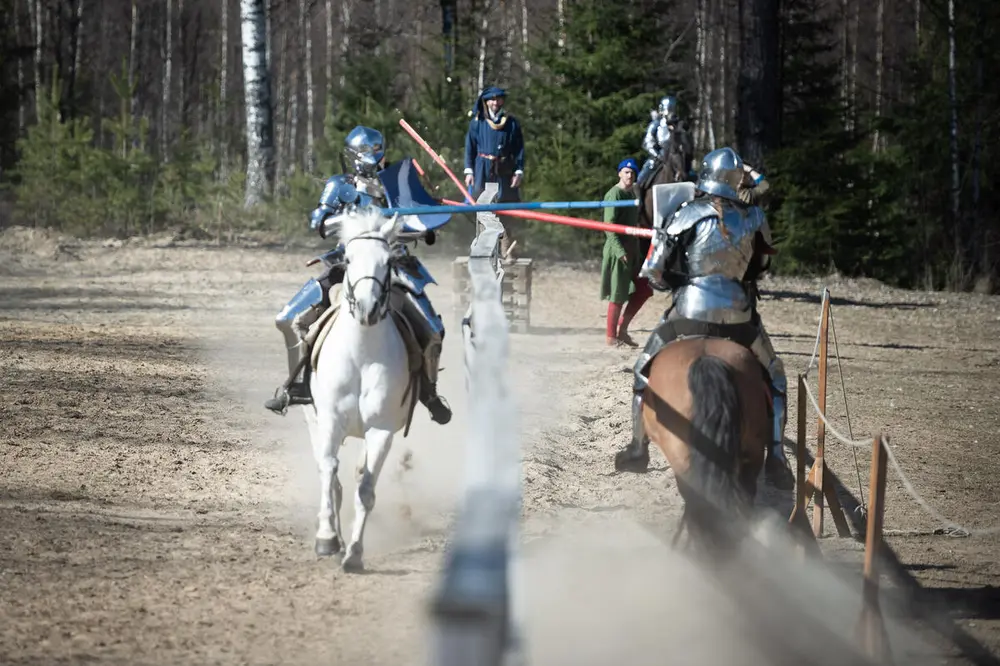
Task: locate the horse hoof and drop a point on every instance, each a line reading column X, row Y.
column 628, row 461
column 327, row 547
column 352, row 561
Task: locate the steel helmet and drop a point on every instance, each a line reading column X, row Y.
column 364, row 149
column 721, row 173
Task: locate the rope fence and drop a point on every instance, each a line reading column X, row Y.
column 952, row 528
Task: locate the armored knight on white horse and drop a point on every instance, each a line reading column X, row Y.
column 363, row 339
column 359, row 188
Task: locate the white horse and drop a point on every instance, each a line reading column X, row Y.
column 359, row 381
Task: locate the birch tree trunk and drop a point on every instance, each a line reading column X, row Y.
column 507, row 27
column 561, row 17
column 305, row 31
column 700, row 73
column 293, row 123
column 281, row 107
column 879, row 71
column 168, row 56
column 484, row 29
column 345, row 40
column 329, row 50
column 222, row 133
column 759, row 92
column 257, row 88
column 709, row 47
column 270, row 34
column 524, row 36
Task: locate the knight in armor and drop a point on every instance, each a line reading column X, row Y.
column 494, row 151
column 710, row 254
column 363, row 157
column 664, row 124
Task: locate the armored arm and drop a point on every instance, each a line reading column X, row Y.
column 649, row 140
column 660, row 256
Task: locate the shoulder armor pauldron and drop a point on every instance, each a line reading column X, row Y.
column 689, row 214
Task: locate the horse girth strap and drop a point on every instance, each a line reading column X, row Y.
column 742, row 334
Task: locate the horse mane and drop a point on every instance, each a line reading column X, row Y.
column 365, row 221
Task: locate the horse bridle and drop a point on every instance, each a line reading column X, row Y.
column 382, row 304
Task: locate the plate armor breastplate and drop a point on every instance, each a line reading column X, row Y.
column 662, row 134
column 716, row 259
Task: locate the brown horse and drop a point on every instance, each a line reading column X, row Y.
column 706, row 407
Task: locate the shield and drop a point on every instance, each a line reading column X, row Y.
column 403, row 189
column 667, row 199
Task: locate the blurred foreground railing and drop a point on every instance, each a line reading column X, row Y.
column 472, row 607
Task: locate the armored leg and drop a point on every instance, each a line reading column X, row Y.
column 429, row 328
column 777, row 470
column 648, row 168
column 635, row 456
column 293, row 321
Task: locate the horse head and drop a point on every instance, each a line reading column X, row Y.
column 368, row 239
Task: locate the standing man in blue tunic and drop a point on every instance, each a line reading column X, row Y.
column 494, row 151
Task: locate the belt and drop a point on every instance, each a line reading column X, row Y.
column 489, row 157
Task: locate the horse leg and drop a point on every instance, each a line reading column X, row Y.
column 327, row 437
column 377, row 445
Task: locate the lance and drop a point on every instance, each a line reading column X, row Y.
column 437, row 158
column 520, row 211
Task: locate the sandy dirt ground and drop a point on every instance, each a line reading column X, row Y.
column 152, row 512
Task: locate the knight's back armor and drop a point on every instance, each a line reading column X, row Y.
column 715, row 257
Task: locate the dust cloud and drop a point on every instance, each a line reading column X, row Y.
column 604, row 590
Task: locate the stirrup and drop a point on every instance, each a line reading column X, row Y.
column 284, row 397
column 279, row 403
column 439, row 409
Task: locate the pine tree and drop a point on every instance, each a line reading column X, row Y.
column 597, row 99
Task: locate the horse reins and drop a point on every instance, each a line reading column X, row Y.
column 383, row 297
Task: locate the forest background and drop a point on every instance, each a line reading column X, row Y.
column 876, row 121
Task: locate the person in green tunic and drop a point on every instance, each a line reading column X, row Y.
column 620, row 281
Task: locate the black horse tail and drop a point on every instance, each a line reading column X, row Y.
column 716, row 505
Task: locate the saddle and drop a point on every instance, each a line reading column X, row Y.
column 320, row 329
column 742, row 334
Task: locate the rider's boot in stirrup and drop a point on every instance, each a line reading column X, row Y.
column 435, row 404
column 777, row 471
column 635, row 456
column 296, row 390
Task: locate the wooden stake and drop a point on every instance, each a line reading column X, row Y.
column 820, row 464
column 798, row 520
column 817, row 479
column 871, row 627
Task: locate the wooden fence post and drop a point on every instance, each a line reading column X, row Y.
column 798, row 519
column 871, row 627
column 817, row 476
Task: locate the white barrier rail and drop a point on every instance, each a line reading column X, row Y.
column 472, row 609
